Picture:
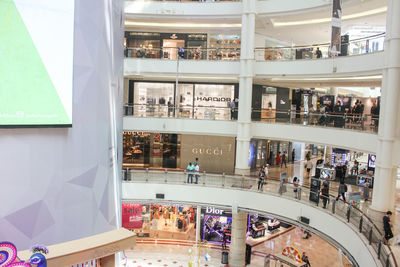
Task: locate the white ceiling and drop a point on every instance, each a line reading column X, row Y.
column 298, row 35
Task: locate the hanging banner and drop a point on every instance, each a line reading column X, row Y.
column 336, row 27
column 132, row 216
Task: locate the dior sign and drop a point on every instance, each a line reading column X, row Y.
column 212, row 210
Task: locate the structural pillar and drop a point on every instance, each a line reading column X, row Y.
column 383, row 197
column 245, row 87
column 237, row 251
column 198, row 216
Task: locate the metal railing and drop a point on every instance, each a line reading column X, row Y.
column 191, row 53
column 338, row 208
column 352, row 121
column 358, row 46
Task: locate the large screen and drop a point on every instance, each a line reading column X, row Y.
column 36, row 62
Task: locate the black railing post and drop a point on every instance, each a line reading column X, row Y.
column 166, row 175
column 387, row 260
column 361, row 224
column 334, row 206
column 379, row 249
column 370, row 236
column 348, row 214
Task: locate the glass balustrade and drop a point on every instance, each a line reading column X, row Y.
column 353, row 47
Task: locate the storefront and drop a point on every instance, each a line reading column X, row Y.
column 166, row 45
column 216, row 223
column 163, row 150
column 263, row 151
column 224, row 47
column 159, row 150
column 196, row 100
column 160, row 221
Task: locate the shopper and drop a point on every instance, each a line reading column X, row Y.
column 224, row 239
column 325, row 194
column 196, row 161
column 260, row 179
column 387, row 225
column 284, row 159
column 342, row 191
column 170, row 107
column 296, row 188
column 190, row 169
column 308, row 156
column 309, row 166
column 232, row 107
column 266, row 172
column 293, row 154
column 366, row 191
column 305, row 259
column 197, row 172
column 318, row 53
column 278, row 159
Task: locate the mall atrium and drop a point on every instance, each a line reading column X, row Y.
column 200, row 133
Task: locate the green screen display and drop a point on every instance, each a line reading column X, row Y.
column 35, row 85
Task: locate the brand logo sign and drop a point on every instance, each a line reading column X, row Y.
column 213, row 98
column 213, row 210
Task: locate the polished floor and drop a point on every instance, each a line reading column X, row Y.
column 180, row 253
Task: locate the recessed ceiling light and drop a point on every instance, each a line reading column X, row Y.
column 183, row 25
column 326, row 20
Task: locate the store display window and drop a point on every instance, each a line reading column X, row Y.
column 160, row 221
column 152, row 99
column 141, row 149
column 224, row 47
column 212, row 100
column 209, row 101
column 217, row 225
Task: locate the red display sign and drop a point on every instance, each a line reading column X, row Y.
column 132, row 216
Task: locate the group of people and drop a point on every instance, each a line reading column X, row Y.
column 193, row 170
column 282, row 158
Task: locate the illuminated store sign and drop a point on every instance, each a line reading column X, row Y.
column 213, row 210
column 215, row 99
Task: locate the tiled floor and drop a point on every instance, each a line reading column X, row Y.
column 320, row 253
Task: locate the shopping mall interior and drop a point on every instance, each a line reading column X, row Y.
column 200, row 133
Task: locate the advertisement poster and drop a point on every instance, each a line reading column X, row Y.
column 132, row 216
column 36, row 66
column 371, row 161
column 355, row 199
column 336, row 27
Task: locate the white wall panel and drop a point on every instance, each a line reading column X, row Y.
column 367, row 64
column 348, row 139
column 289, row 208
column 184, row 126
column 135, row 66
column 62, row 184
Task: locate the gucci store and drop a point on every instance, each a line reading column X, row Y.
column 164, row 150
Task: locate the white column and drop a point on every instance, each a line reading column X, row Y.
column 198, row 216
column 237, row 251
column 385, row 173
column 245, row 87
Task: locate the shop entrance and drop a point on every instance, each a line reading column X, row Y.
column 170, row 48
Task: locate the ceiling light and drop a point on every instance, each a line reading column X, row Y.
column 325, row 20
column 183, row 25
column 375, row 77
